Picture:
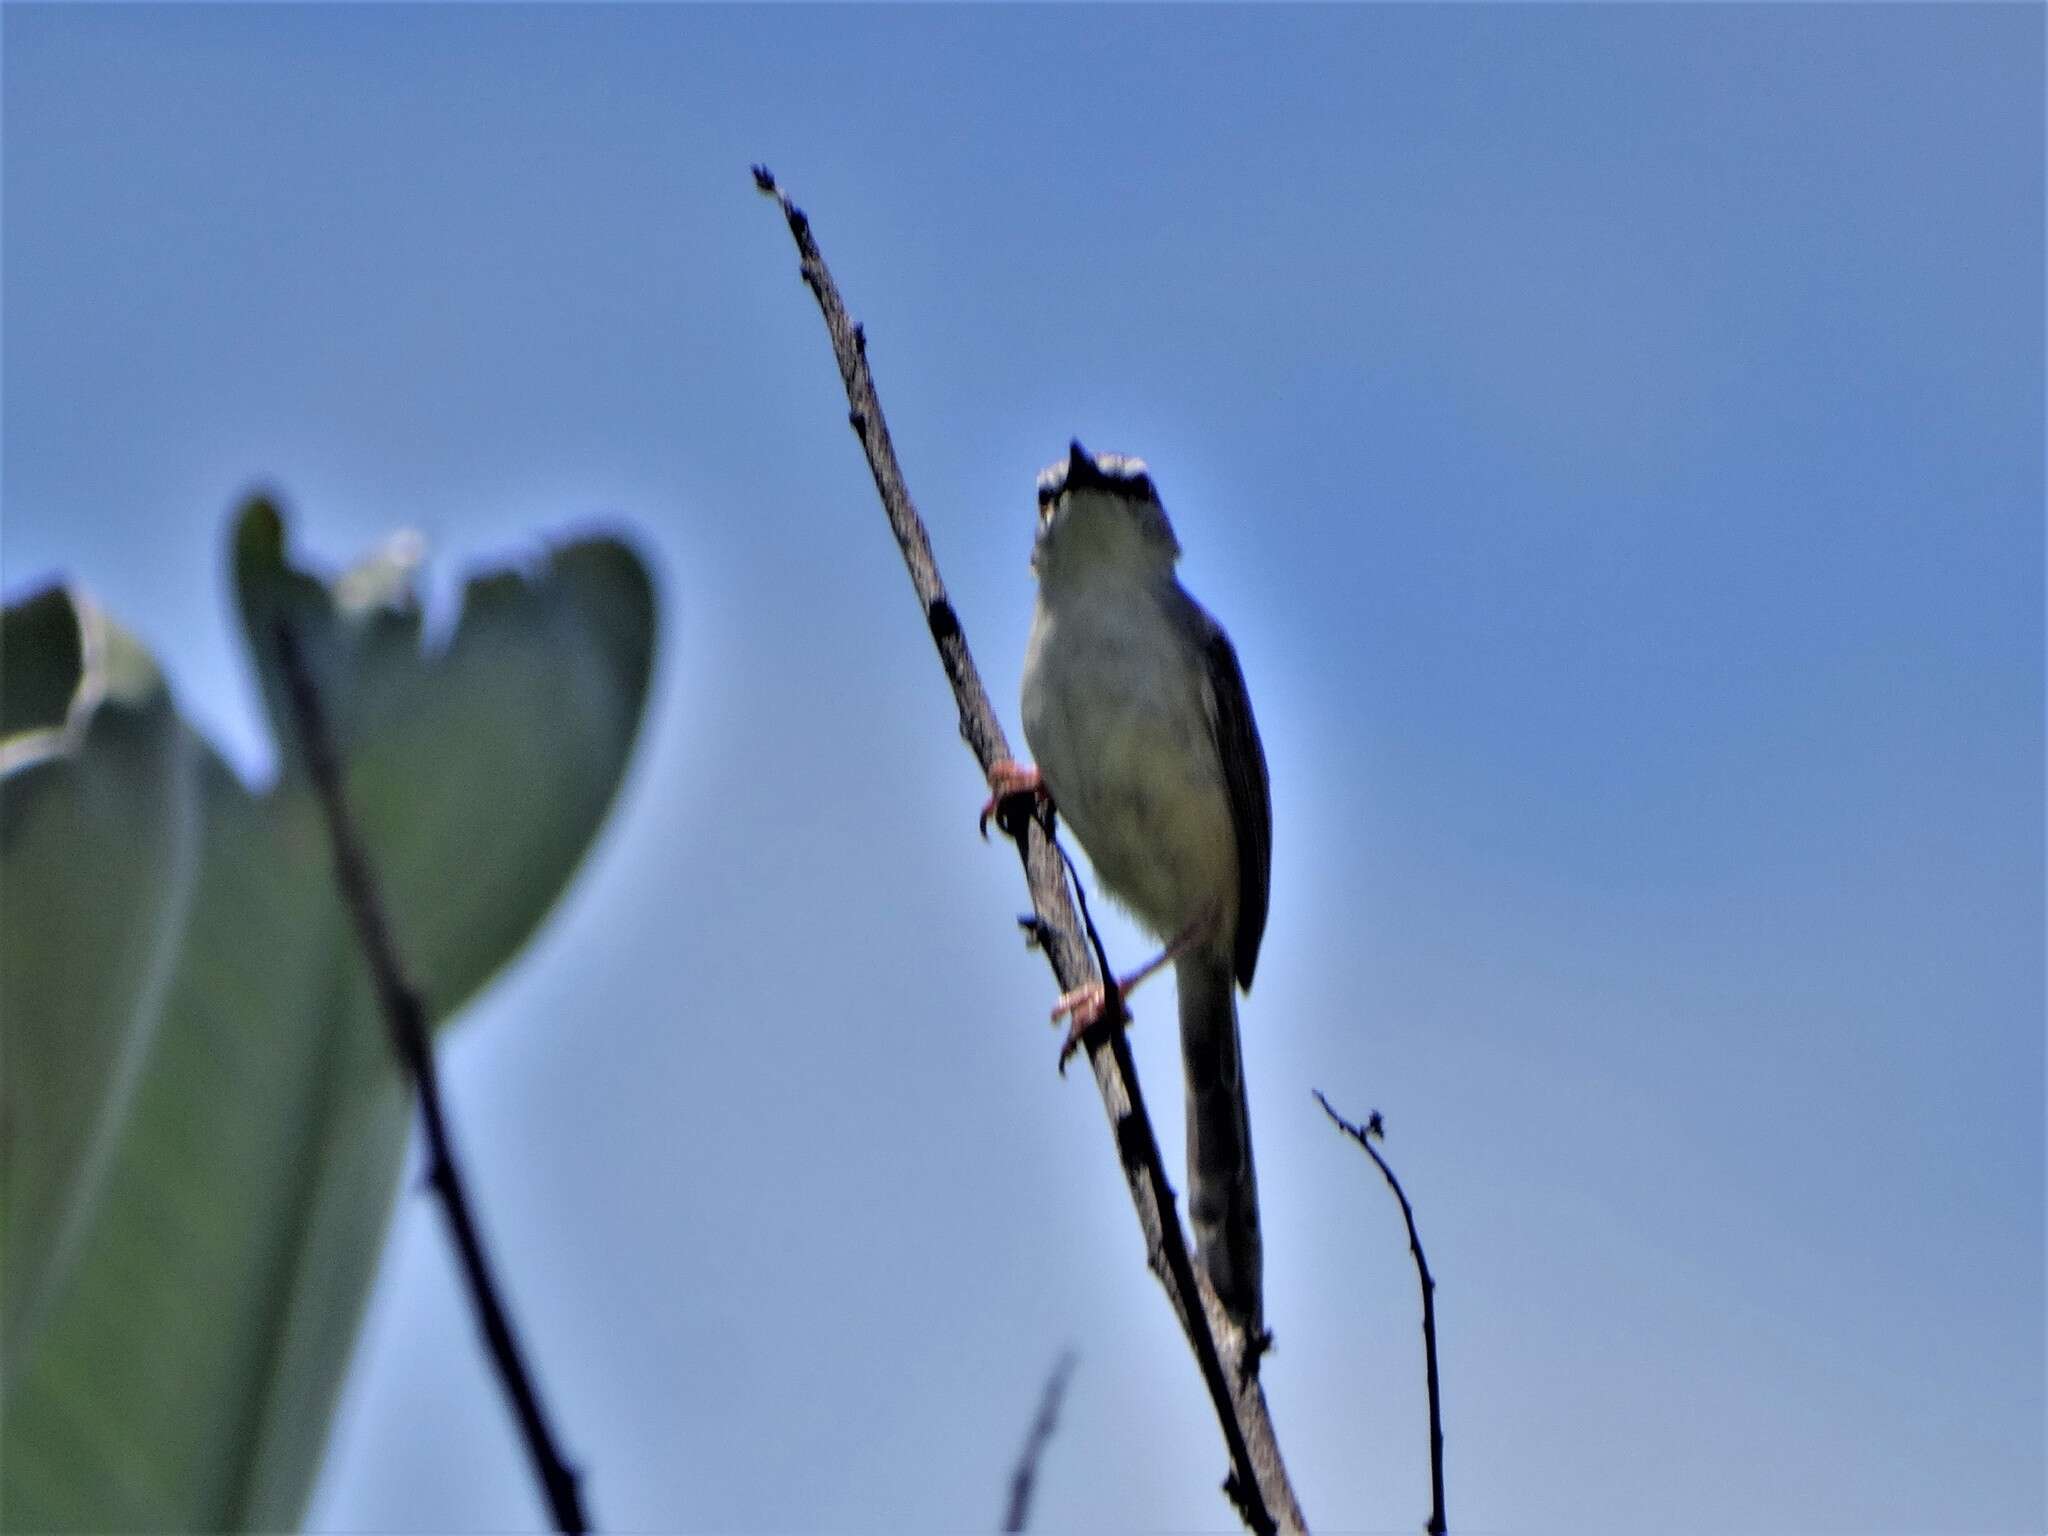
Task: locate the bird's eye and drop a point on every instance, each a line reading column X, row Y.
column 1045, row 511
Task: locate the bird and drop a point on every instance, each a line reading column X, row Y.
column 1136, row 714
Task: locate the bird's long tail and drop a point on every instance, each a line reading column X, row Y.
column 1223, row 1194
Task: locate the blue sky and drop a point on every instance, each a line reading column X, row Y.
column 1613, row 437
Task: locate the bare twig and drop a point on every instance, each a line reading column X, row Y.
column 1375, row 1128
column 406, row 1018
column 1228, row 1360
column 1026, row 1473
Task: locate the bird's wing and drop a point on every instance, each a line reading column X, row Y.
column 1251, row 800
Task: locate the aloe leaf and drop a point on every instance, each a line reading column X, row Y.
column 99, row 820
column 187, row 1373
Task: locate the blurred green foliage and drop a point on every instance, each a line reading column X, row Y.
column 202, row 1124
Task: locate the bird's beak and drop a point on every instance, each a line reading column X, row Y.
column 1080, row 467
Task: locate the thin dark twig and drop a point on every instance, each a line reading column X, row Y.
column 1087, row 917
column 1115, row 1013
column 1228, row 1361
column 1373, row 1128
column 1025, row 1476
column 406, row 1017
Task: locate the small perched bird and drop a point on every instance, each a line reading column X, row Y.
column 1135, row 709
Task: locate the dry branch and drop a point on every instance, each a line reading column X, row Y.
column 1364, row 1136
column 1025, row 1476
column 1228, row 1360
column 407, row 1020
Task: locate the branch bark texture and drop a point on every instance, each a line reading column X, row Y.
column 1227, row 1359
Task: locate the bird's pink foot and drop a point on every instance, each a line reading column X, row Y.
column 1083, row 1009
column 1086, row 1004
column 1006, row 781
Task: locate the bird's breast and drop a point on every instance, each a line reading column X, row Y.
column 1116, row 714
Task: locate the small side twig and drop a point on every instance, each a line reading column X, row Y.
column 1375, row 1129
column 1025, row 1477
column 406, row 1018
column 1115, row 1014
column 1087, row 917
column 1228, row 1361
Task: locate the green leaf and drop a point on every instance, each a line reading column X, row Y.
column 99, row 822
column 187, row 1373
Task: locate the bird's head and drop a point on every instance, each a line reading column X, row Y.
column 1099, row 511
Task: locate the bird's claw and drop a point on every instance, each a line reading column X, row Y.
column 1007, row 781
column 1083, row 1009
